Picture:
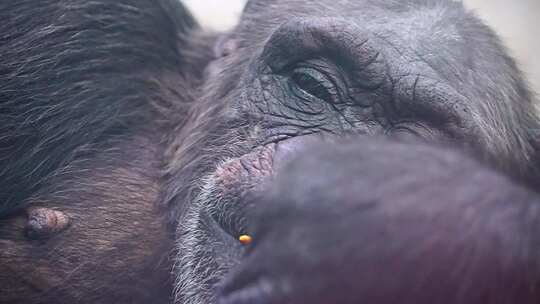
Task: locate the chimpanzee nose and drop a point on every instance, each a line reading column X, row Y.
column 289, row 149
column 344, row 227
column 294, row 251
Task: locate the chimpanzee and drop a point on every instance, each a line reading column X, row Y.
column 379, row 221
column 88, row 91
column 295, row 68
column 125, row 128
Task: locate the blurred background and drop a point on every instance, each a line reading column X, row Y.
column 517, row 22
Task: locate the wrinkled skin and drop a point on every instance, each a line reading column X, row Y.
column 421, row 69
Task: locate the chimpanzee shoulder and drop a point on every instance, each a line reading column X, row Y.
column 75, row 73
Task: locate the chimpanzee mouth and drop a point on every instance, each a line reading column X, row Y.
column 211, row 248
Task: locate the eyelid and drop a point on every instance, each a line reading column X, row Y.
column 335, row 38
column 328, row 81
column 319, row 76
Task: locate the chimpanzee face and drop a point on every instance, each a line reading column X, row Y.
column 299, row 68
column 93, row 103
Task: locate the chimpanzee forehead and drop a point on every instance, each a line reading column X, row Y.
column 346, row 7
column 404, row 18
column 432, row 30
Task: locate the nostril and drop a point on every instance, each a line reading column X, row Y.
column 258, row 292
column 232, row 224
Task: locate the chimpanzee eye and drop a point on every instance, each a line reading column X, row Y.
column 308, row 83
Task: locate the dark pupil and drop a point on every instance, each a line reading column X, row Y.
column 312, row 86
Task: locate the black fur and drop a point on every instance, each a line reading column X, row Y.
column 75, row 73
column 88, row 91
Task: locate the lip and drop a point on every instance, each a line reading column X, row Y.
column 240, row 179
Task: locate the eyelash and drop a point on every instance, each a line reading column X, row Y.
column 311, row 84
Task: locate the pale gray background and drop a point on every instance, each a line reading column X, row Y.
column 517, row 22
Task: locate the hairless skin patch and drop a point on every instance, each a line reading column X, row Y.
column 45, row 222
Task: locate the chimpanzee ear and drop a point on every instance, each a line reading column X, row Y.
column 225, row 45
